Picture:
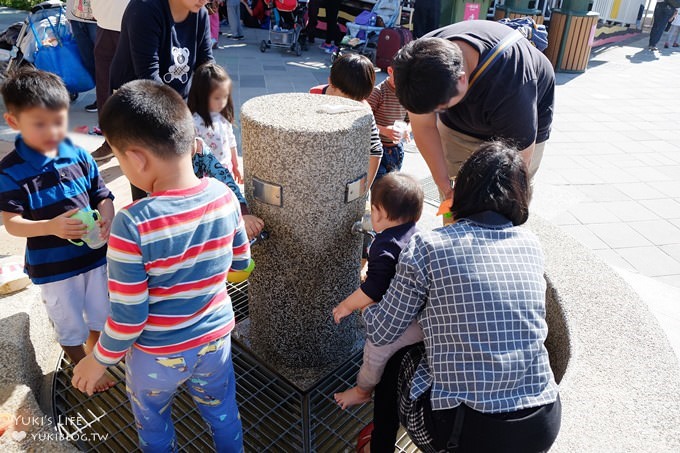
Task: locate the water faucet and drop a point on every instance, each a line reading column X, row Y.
column 364, row 226
column 260, row 237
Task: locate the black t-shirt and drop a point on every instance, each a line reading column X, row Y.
column 513, row 99
column 152, row 46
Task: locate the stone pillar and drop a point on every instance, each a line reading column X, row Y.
column 307, row 152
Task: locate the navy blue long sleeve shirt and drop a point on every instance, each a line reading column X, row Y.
column 152, row 46
column 383, row 257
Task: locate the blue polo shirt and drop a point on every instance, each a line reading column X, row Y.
column 41, row 188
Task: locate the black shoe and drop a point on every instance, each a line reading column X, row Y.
column 92, row 107
column 237, row 38
column 103, row 153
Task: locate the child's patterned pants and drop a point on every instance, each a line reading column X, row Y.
column 153, row 380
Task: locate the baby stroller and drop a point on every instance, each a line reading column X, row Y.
column 362, row 34
column 287, row 26
column 47, row 26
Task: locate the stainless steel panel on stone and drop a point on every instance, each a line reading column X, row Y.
column 267, row 192
column 356, row 189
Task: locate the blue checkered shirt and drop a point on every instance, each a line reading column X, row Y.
column 478, row 292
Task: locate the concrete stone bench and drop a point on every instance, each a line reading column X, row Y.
column 619, row 377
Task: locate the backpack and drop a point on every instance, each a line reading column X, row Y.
column 535, row 33
column 390, row 40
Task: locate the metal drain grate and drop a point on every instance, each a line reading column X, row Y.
column 431, row 191
column 276, row 417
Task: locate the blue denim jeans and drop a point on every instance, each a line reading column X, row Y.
column 86, row 35
column 152, row 382
column 662, row 14
column 392, row 159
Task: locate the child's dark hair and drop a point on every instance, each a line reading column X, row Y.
column 205, row 78
column 400, row 195
column 493, row 178
column 150, row 114
column 29, row 88
column 353, row 74
column 426, row 73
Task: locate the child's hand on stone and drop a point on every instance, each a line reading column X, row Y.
column 253, row 224
column 341, row 311
column 65, row 227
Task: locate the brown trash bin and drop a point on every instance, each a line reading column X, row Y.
column 570, row 39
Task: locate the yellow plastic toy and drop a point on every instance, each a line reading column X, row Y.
column 238, row 276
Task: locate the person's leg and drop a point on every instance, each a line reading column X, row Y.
column 85, row 41
column 151, row 383
column 104, row 50
column 313, row 14
column 673, row 35
column 386, row 406
column 97, row 306
column 213, row 387
column 457, row 147
column 332, row 31
column 398, row 157
column 662, row 14
column 376, row 357
column 233, row 12
column 215, row 26
column 420, row 18
column 374, row 360
column 64, row 301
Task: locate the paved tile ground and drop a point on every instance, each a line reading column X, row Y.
column 610, row 176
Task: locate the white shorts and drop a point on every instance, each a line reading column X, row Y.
column 77, row 305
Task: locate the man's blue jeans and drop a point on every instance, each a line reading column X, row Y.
column 662, row 14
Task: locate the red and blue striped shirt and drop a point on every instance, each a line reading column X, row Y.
column 168, row 259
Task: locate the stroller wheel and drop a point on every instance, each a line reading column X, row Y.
column 263, row 46
column 297, row 48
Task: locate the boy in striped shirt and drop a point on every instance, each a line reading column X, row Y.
column 169, row 255
column 386, row 110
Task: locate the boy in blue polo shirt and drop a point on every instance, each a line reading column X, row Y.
column 43, row 182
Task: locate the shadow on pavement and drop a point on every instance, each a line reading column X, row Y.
column 642, row 56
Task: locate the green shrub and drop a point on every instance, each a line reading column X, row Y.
column 20, row 4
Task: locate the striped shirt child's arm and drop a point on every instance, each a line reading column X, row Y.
column 375, row 100
column 128, row 292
